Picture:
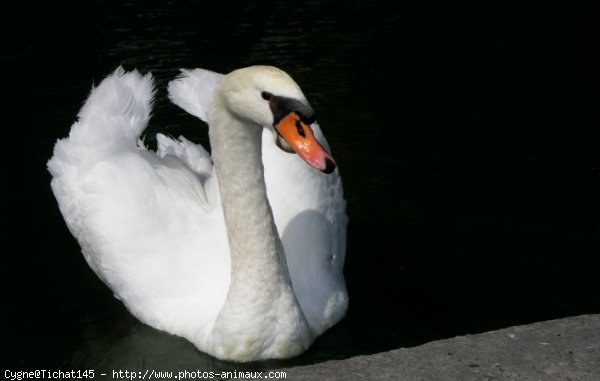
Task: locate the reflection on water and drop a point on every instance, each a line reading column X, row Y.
column 463, row 217
column 135, row 346
column 138, row 347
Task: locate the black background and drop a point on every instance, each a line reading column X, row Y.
column 466, row 136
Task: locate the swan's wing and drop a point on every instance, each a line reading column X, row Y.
column 193, row 90
column 148, row 227
column 193, row 155
column 310, row 214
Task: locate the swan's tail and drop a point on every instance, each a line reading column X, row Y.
column 112, row 119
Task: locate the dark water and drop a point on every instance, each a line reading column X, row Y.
column 466, row 136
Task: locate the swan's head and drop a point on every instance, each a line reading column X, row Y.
column 268, row 97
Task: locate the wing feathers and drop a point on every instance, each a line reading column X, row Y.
column 193, row 90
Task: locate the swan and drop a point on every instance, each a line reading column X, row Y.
column 240, row 252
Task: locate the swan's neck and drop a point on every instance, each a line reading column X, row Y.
column 260, row 297
column 251, row 230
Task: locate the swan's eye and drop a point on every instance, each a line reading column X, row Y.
column 267, row 96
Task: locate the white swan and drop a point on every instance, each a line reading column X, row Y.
column 198, row 250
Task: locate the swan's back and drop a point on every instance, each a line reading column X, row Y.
column 144, row 223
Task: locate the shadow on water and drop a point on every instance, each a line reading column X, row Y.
column 468, row 159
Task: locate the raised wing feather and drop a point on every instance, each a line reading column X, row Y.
column 193, row 90
column 145, row 223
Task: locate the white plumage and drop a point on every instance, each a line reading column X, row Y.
column 190, row 247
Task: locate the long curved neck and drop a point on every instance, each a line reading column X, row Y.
column 253, row 238
column 260, row 294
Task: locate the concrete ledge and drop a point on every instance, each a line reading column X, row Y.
column 565, row 349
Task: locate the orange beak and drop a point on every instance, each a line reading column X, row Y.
column 301, row 139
